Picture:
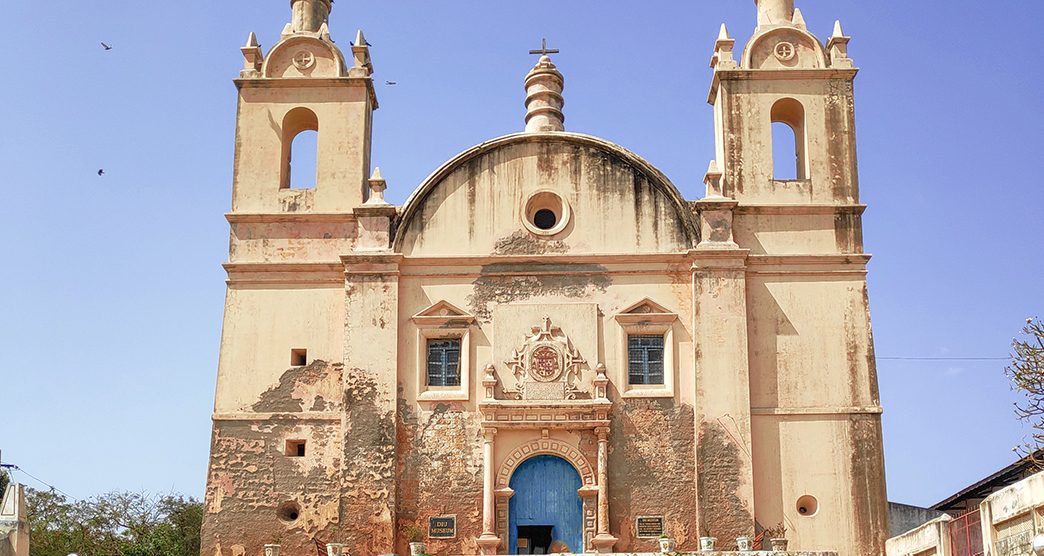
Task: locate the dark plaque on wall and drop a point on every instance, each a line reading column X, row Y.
column 442, row 527
column 649, row 526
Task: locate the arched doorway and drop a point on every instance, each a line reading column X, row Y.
column 546, row 508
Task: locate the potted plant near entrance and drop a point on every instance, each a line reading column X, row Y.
column 745, row 543
column 667, row 544
column 777, row 537
column 415, row 536
column 707, row 541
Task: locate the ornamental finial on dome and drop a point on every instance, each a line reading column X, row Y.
column 544, row 101
column 309, row 15
column 775, row 12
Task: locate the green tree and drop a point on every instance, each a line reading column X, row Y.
column 5, row 480
column 114, row 524
column 1026, row 372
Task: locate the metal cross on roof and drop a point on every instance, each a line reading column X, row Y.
column 544, row 50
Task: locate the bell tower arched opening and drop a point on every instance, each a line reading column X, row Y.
column 300, row 154
column 788, row 141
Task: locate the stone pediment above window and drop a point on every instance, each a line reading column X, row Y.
column 646, row 350
column 443, row 314
column 646, row 311
column 443, row 353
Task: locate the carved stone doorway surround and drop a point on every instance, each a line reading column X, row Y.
column 540, row 417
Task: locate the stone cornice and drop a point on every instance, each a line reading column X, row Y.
column 552, row 259
column 811, row 74
column 270, row 83
column 282, row 416
column 800, row 209
column 291, row 217
column 285, row 274
column 810, row 259
column 831, row 411
column 360, row 265
column 838, row 265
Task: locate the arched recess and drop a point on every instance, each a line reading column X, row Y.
column 547, row 502
column 790, row 161
column 588, row 491
column 546, row 447
column 297, row 122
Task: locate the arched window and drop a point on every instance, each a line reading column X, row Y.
column 300, row 149
column 788, row 141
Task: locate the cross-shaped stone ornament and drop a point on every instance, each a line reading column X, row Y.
column 544, row 50
column 303, row 60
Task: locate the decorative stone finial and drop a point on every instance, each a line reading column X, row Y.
column 775, row 12
column 799, row 20
column 713, row 180
column 309, row 15
column 362, row 64
column 544, row 101
column 377, row 187
column 837, row 46
column 723, row 48
column 252, row 57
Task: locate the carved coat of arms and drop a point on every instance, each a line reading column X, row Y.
column 546, row 366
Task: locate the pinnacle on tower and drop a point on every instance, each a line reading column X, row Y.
column 838, row 33
column 799, row 19
column 362, row 64
column 775, row 12
column 544, row 101
column 309, row 15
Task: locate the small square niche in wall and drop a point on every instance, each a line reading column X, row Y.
column 295, row 448
column 298, row 357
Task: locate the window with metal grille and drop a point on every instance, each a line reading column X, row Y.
column 645, row 359
column 444, row 362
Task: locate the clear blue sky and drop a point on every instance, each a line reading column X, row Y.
column 112, row 288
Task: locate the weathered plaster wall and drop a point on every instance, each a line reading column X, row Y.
column 651, row 461
column 929, row 539
column 1011, row 517
column 816, row 422
column 285, row 240
column 745, row 140
column 261, row 326
column 253, row 484
column 342, row 157
column 440, row 472
column 617, row 207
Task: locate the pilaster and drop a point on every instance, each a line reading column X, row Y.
column 724, row 467
column 370, row 390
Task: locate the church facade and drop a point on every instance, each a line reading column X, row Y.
column 546, row 348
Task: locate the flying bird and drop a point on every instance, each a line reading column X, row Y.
column 391, row 83
column 106, row 47
column 366, row 42
column 101, row 172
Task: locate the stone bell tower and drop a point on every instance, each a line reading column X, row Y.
column 303, row 84
column 811, row 362
column 276, row 467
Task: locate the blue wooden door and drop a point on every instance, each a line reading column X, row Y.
column 546, row 494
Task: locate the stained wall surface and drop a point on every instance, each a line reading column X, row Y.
column 326, row 429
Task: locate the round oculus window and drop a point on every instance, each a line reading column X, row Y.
column 545, row 219
column 807, row 506
column 546, row 213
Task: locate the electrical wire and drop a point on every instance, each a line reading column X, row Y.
column 944, row 358
column 14, row 467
